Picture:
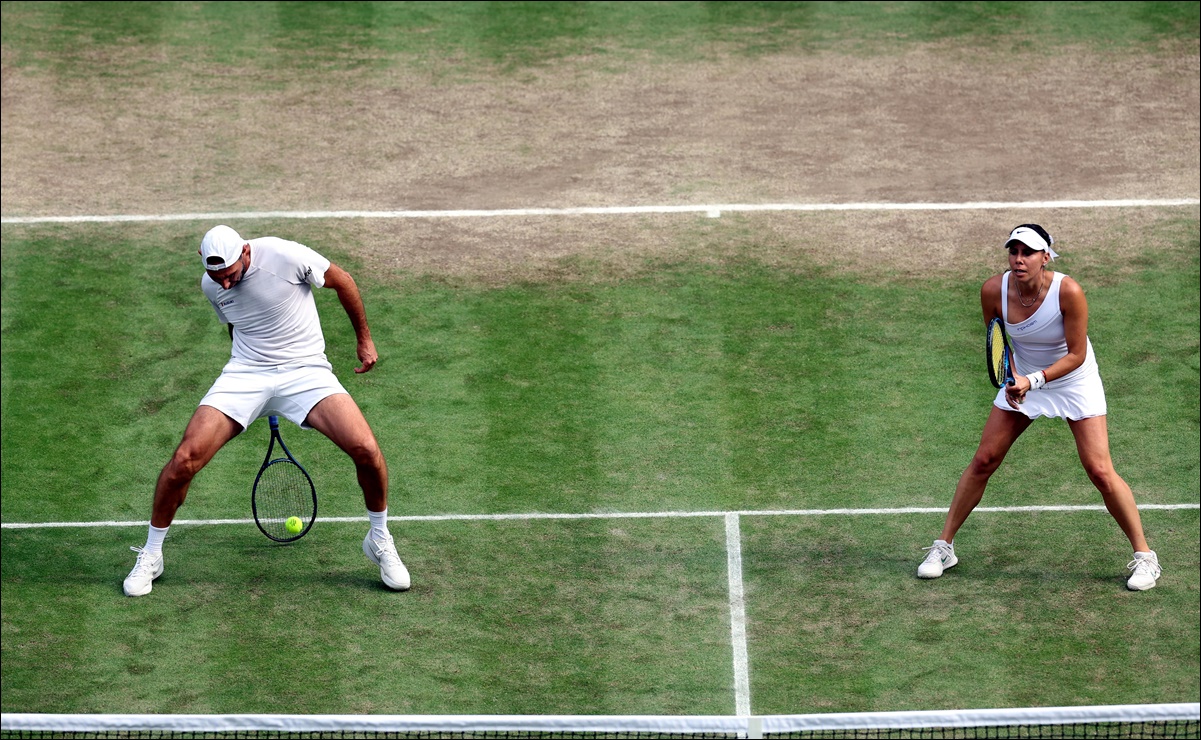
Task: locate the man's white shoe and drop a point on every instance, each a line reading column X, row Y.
column 1144, row 571
column 140, row 580
column 382, row 552
column 939, row 557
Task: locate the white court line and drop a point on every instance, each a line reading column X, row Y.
column 616, row 515
column 742, row 676
column 713, row 211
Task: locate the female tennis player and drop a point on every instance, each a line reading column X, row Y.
column 1055, row 375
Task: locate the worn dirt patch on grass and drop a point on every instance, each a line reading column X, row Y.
column 929, row 125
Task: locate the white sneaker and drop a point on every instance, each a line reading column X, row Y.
column 383, row 553
column 140, row 580
column 1144, row 571
column 939, row 557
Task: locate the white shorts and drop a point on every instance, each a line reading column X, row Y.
column 245, row 392
column 1080, row 398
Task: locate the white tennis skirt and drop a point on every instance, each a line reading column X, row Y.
column 1080, row 398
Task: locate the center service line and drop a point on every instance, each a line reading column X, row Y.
column 712, row 211
column 742, row 680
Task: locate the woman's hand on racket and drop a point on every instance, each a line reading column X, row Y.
column 1015, row 393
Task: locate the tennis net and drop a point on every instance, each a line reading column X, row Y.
column 1124, row 721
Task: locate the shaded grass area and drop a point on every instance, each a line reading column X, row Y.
column 517, row 35
column 603, row 616
column 511, row 617
column 1035, row 614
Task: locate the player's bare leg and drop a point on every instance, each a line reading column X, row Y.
column 1092, row 442
column 206, row 433
column 339, row 418
column 1000, row 432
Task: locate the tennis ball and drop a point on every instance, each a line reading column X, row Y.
column 294, row 525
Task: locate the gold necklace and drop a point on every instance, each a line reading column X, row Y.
column 1037, row 295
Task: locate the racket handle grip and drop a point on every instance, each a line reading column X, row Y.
column 273, row 421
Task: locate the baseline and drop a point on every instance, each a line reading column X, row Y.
column 712, row 211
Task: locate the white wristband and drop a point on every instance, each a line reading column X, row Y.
column 1037, row 380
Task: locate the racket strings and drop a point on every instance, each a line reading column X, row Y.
column 283, row 491
column 998, row 352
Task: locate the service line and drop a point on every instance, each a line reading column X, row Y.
column 617, row 515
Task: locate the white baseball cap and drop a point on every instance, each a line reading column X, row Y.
column 1032, row 238
column 220, row 248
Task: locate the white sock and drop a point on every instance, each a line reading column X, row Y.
column 379, row 522
column 154, row 540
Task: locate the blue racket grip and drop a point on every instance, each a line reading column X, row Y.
column 274, row 422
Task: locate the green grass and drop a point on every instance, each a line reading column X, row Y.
column 66, row 36
column 737, row 385
column 1035, row 614
column 601, row 617
column 550, row 617
column 691, row 388
column 724, row 386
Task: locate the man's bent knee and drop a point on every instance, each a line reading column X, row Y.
column 183, row 466
column 366, row 453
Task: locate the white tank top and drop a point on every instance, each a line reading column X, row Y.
column 272, row 309
column 1039, row 341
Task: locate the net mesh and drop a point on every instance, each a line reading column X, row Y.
column 1117, row 731
column 1130, row 721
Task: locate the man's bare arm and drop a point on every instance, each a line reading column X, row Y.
column 343, row 284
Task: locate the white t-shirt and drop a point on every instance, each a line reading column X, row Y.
column 272, row 308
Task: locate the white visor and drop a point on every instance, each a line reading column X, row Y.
column 1032, row 239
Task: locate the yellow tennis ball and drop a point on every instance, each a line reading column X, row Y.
column 294, row 525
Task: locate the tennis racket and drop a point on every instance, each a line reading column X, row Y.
column 283, row 490
column 997, row 353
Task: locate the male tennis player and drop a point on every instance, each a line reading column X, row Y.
column 263, row 289
column 1055, row 375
